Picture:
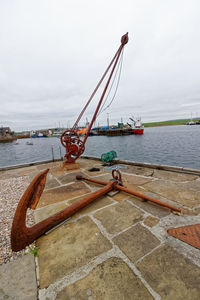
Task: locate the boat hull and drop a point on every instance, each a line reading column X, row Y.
column 138, row 130
column 115, row 132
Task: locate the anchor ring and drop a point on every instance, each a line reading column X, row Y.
column 117, row 176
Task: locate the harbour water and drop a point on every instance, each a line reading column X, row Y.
column 169, row 145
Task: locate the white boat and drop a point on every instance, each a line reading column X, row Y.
column 29, row 143
column 190, row 123
column 40, row 135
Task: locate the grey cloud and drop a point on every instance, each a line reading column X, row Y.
column 52, row 56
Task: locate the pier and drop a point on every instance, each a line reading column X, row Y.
column 115, row 248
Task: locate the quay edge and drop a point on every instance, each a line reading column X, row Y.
column 117, row 161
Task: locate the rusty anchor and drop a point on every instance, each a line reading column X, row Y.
column 22, row 236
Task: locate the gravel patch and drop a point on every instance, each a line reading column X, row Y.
column 11, row 191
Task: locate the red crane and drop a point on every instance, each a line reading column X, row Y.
column 70, row 139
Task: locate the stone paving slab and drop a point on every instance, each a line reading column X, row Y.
column 96, row 173
column 88, row 163
column 121, row 196
column 150, row 207
column 136, row 242
column 194, row 185
column 190, row 211
column 69, row 247
column 111, row 280
column 49, row 210
column 96, row 204
column 176, row 192
column 197, row 211
column 51, row 183
column 135, row 180
column 63, row 193
column 119, row 216
column 49, row 165
column 127, row 179
column 151, row 221
column 69, row 177
column 173, row 176
column 138, row 170
column 57, row 171
column 18, row 279
column 171, row 274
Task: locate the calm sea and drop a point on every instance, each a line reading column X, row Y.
column 170, row 145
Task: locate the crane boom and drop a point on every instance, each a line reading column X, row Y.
column 70, row 139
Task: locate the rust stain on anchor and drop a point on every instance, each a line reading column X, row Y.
column 22, row 236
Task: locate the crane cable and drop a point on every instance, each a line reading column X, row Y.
column 119, row 67
column 95, row 90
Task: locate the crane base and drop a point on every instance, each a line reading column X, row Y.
column 70, row 166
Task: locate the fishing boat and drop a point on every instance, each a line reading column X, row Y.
column 82, row 131
column 137, row 126
column 116, row 131
column 36, row 135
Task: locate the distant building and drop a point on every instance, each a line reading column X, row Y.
column 5, row 131
column 6, row 135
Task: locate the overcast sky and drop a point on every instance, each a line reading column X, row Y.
column 53, row 53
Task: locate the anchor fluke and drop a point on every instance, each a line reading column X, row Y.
column 20, row 233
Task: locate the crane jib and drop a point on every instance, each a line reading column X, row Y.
column 70, row 139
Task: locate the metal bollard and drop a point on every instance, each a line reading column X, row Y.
column 52, row 152
column 61, row 157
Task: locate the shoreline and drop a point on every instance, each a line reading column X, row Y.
column 7, row 139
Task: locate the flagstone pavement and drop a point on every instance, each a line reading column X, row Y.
column 118, row 246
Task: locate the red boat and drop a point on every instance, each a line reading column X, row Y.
column 137, row 126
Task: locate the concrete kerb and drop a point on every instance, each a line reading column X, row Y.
column 152, row 166
column 6, row 168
